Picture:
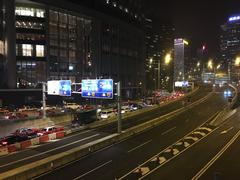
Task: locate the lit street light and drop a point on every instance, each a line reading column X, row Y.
column 237, row 61
column 167, row 58
column 210, row 64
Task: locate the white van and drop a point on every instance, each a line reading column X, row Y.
column 107, row 113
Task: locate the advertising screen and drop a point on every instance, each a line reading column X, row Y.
column 60, row 88
column 65, row 88
column 181, row 83
column 97, row 88
column 53, row 87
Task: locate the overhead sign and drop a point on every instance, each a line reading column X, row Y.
column 181, row 84
column 60, row 88
column 97, row 88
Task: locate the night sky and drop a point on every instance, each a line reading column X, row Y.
column 197, row 20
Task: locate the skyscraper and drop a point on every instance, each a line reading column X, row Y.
column 230, row 40
column 181, row 59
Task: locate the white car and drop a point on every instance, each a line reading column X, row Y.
column 72, row 106
column 105, row 114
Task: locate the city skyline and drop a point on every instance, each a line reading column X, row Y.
column 198, row 21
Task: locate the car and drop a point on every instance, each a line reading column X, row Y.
column 107, row 113
column 11, row 139
column 49, row 130
column 26, row 132
column 72, row 106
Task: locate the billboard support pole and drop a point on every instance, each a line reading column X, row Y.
column 119, row 107
column 44, row 100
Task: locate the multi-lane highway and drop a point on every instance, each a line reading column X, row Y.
column 39, row 152
column 122, row 160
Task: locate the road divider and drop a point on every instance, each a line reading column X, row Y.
column 42, row 166
column 3, row 151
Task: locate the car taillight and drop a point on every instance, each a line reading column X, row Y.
column 4, row 142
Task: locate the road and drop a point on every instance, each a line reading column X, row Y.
column 117, row 160
column 43, row 151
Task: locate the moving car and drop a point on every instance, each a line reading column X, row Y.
column 107, row 113
column 26, row 132
column 49, row 130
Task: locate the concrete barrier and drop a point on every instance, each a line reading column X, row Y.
column 52, row 136
column 35, row 141
column 3, row 151
column 60, row 134
column 25, row 144
column 12, row 148
column 44, row 138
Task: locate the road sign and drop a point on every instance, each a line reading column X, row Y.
column 97, row 88
column 59, row 87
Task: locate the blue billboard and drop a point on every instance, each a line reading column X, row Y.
column 97, row 88
column 65, row 88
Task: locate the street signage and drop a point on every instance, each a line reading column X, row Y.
column 59, row 87
column 97, row 88
column 181, row 83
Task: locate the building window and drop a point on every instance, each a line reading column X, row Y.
column 27, row 50
column 1, row 47
column 39, row 50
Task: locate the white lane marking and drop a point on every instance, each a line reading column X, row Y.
column 96, row 168
column 175, row 151
column 205, row 128
column 215, row 158
column 45, row 152
column 133, row 149
column 186, row 144
column 227, row 130
column 169, row 130
column 142, row 170
column 200, row 133
column 192, row 138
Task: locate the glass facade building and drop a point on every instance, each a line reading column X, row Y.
column 67, row 40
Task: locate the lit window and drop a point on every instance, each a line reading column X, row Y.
column 39, row 50
column 1, row 47
column 27, row 49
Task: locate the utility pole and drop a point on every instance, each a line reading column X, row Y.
column 44, row 99
column 159, row 68
column 119, row 107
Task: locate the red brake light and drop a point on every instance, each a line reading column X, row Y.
column 4, row 142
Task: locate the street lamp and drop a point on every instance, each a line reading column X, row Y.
column 237, row 64
column 237, row 61
column 210, row 64
column 167, row 58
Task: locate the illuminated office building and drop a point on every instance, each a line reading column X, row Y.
column 42, row 40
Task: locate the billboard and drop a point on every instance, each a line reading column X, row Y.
column 60, row 88
column 181, row 83
column 97, row 88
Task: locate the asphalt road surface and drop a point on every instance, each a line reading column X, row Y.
column 57, row 146
column 120, row 159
